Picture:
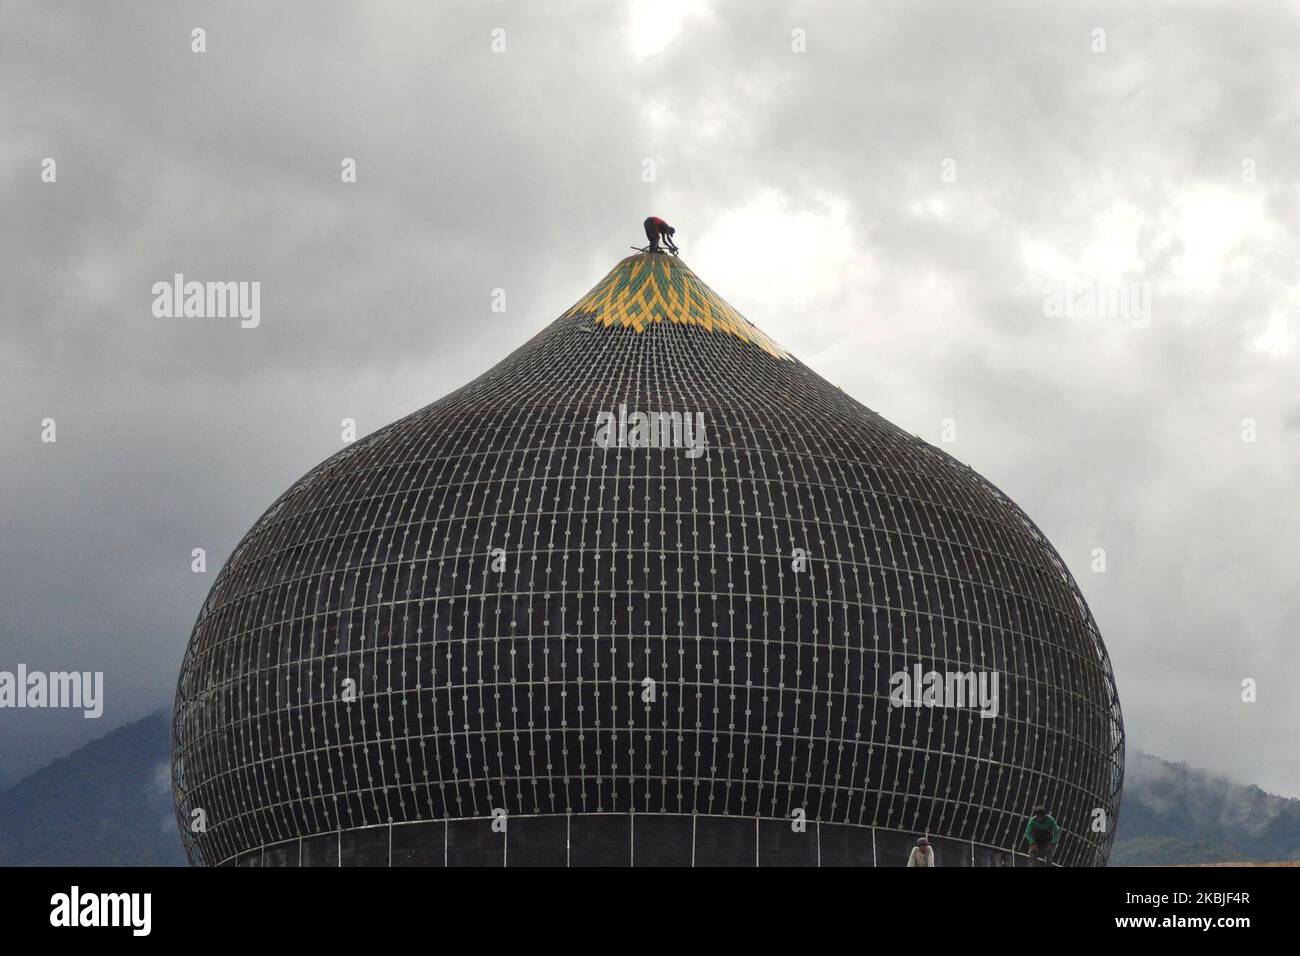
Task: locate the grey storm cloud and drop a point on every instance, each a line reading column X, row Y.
column 892, row 204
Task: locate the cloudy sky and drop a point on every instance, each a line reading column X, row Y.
column 902, row 194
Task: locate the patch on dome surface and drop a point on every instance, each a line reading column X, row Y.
column 649, row 289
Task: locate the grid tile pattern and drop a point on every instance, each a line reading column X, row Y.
column 368, row 657
column 619, row 840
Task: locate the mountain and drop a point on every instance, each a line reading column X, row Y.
column 1175, row 814
column 110, row 804
column 107, row 804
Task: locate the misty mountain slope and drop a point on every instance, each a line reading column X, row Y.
column 1172, row 813
column 108, row 803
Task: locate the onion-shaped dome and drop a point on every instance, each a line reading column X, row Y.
column 647, row 591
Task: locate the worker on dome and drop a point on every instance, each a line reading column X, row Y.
column 922, row 854
column 1042, row 835
column 656, row 229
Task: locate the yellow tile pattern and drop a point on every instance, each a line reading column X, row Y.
column 652, row 288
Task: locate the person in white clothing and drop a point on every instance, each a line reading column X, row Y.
column 922, row 854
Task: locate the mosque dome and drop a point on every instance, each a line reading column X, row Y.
column 648, row 591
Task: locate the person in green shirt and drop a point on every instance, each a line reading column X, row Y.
column 1042, row 835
